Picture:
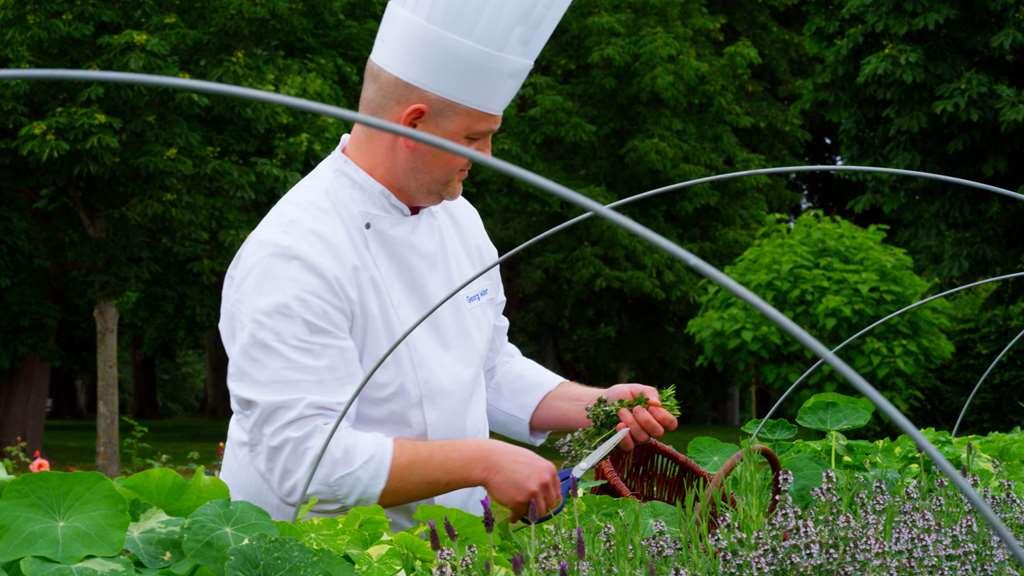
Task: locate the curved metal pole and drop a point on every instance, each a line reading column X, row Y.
column 684, row 256
column 982, row 379
column 870, row 327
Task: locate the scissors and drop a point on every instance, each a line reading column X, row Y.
column 567, row 475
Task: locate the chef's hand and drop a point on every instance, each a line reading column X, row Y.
column 643, row 423
column 513, row 476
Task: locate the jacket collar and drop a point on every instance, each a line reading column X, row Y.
column 371, row 191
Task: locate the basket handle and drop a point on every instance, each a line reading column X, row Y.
column 718, row 480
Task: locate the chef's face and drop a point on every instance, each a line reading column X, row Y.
column 436, row 175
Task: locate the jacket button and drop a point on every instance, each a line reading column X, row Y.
column 367, row 225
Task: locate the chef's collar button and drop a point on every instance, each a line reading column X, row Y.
column 367, row 225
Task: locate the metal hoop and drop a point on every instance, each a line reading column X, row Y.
column 684, row 256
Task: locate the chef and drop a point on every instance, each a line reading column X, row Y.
column 355, row 253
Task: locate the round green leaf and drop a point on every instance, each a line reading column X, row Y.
column 156, row 539
column 266, row 555
column 806, row 471
column 773, row 429
column 710, row 453
column 166, row 489
column 828, row 416
column 64, row 516
column 92, row 567
column 843, row 399
column 213, row 529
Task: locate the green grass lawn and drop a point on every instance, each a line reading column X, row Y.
column 72, row 443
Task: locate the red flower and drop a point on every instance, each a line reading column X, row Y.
column 40, row 464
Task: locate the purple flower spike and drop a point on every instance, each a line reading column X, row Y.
column 435, row 540
column 488, row 514
column 563, row 569
column 581, row 547
column 532, row 513
column 450, row 530
column 518, row 563
column 573, row 486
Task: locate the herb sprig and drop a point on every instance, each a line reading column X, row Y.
column 604, row 416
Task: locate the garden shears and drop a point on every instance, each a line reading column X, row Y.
column 570, row 476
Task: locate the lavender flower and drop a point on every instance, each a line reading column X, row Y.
column 488, row 514
column 518, row 563
column 563, row 569
column 532, row 513
column 573, row 486
column 450, row 530
column 581, row 547
column 435, row 540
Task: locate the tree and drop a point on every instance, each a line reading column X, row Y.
column 626, row 97
column 832, row 278
column 141, row 188
column 936, row 86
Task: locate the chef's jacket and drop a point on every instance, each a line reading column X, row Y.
column 327, row 281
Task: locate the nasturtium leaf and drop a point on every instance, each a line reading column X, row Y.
column 806, row 471
column 116, row 566
column 843, row 399
column 167, row 490
column 358, row 529
column 201, row 488
column 380, row 560
column 657, row 510
column 63, row 516
column 773, row 429
column 710, row 453
column 366, row 524
column 156, row 538
column 266, row 555
column 828, row 416
column 585, row 486
column 414, row 547
column 213, row 529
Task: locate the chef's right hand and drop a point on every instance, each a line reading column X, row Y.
column 513, row 476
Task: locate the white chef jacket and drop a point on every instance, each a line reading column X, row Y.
column 319, row 290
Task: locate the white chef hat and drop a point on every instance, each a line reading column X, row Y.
column 474, row 52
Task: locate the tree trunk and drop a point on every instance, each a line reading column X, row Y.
column 753, row 399
column 732, row 406
column 144, row 400
column 23, row 392
column 107, row 440
column 217, row 402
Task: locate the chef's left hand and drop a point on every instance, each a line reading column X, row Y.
column 643, row 423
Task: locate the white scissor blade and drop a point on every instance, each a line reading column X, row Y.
column 597, row 455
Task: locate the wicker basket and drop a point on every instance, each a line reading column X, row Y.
column 656, row 471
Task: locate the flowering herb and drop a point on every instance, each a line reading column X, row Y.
column 450, row 530
column 604, row 417
column 488, row 514
column 518, row 563
column 435, row 539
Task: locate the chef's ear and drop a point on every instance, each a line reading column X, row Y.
column 413, row 115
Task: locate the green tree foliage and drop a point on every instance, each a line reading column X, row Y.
column 935, row 86
column 144, row 194
column 984, row 321
column 630, row 96
column 833, row 278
